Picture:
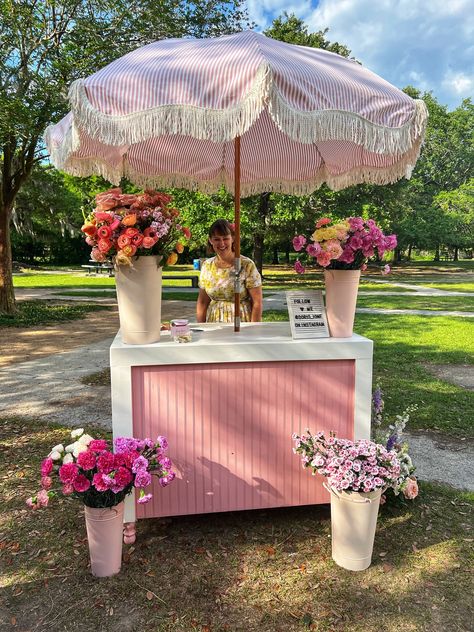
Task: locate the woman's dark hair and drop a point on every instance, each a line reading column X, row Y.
column 220, row 227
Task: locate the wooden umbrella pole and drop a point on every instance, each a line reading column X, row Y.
column 237, row 233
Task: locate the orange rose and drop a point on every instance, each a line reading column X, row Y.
column 89, row 229
column 179, row 248
column 123, row 240
column 104, row 245
column 129, row 220
column 131, row 232
column 148, row 242
column 172, row 259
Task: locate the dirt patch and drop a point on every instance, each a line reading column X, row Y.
column 21, row 345
column 458, row 374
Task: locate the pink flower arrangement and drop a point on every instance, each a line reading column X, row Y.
column 350, row 466
column 124, row 225
column 89, row 470
column 344, row 245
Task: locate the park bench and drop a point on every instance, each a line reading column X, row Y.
column 99, row 268
column 194, row 279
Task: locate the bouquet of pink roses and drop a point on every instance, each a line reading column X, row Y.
column 350, row 466
column 344, row 245
column 89, row 470
column 126, row 225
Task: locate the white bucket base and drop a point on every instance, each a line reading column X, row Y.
column 353, row 524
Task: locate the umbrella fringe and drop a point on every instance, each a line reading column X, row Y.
column 185, row 120
column 330, row 125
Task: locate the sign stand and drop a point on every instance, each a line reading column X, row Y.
column 307, row 314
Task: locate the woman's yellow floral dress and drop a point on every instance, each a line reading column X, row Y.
column 219, row 286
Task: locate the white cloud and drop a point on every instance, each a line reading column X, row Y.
column 424, row 43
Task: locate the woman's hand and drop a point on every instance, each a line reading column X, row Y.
column 256, row 295
column 202, row 305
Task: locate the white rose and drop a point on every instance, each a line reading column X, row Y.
column 77, row 433
column 58, row 448
column 55, row 455
column 85, row 439
column 68, row 458
column 70, row 447
column 78, row 448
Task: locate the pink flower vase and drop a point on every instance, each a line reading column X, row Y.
column 341, row 298
column 104, row 535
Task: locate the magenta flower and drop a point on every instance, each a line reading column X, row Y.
column 142, row 478
column 105, row 462
column 313, row 249
column 386, row 269
column 144, row 499
column 86, row 460
column 299, row 242
column 46, row 467
column 139, row 464
column 99, row 482
column 299, row 268
column 68, row 473
column 81, row 484
column 98, row 445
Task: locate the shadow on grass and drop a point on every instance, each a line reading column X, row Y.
column 269, row 571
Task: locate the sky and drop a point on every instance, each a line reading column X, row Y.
column 428, row 44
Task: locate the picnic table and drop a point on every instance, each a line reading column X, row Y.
column 98, row 268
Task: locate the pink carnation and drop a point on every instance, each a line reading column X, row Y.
column 99, row 482
column 323, row 259
column 81, row 484
column 97, row 255
column 144, row 499
column 68, row 473
column 46, row 482
column 42, row 498
column 386, row 269
column 123, row 477
column 68, row 489
column 86, row 460
column 313, row 249
column 97, row 445
column 46, row 467
column 105, row 462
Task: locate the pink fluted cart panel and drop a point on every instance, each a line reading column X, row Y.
column 229, row 428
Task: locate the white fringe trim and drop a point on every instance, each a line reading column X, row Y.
column 186, row 120
column 369, row 175
column 224, row 125
column 325, row 125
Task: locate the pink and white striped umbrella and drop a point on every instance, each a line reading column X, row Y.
column 242, row 111
column 167, row 114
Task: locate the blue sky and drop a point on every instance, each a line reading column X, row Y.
column 428, row 44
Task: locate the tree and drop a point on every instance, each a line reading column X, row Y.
column 45, row 45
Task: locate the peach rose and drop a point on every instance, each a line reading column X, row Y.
column 122, row 260
column 131, row 232
column 410, row 490
column 137, row 239
column 104, row 245
column 123, row 240
column 97, row 255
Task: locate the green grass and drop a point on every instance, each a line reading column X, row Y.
column 452, row 286
column 402, row 346
column 166, row 296
column 265, row 571
column 34, row 313
column 444, row 303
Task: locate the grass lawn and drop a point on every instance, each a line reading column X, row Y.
column 403, row 345
column 444, row 303
column 265, row 571
column 33, row 313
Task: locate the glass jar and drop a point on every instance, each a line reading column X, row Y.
column 180, row 331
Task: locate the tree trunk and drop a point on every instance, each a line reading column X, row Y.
column 409, row 252
column 397, row 255
column 7, row 294
column 437, row 254
column 287, row 254
column 456, row 253
column 258, row 241
column 275, row 260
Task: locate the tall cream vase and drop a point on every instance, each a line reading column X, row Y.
column 104, row 536
column 139, row 300
column 353, row 524
column 341, row 299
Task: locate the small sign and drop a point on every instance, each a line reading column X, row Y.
column 307, row 314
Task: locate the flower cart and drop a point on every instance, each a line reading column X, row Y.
column 228, row 408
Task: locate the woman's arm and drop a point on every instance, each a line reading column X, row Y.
column 256, row 295
column 202, row 305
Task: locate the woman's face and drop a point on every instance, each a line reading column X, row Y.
column 222, row 244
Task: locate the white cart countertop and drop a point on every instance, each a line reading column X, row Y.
column 256, row 342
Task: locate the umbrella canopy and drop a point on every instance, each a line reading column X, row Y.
column 167, row 114
column 242, row 111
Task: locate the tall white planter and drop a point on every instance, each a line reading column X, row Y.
column 139, row 300
column 353, row 524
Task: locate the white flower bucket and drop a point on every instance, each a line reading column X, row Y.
column 139, row 300
column 353, row 524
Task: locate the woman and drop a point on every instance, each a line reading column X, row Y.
column 215, row 302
